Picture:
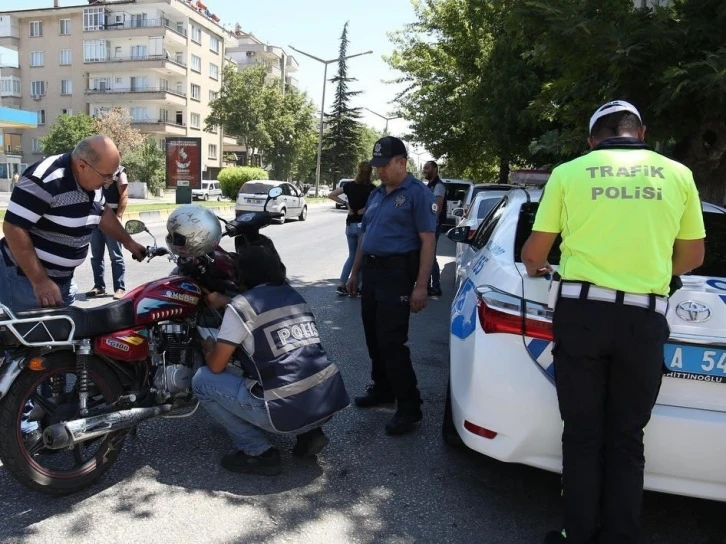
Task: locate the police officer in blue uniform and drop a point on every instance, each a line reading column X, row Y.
column 396, row 255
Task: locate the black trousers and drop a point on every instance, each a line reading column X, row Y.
column 608, row 367
column 385, row 307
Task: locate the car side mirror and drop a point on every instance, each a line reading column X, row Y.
column 458, row 212
column 460, row 235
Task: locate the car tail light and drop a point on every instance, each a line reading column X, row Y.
column 504, row 313
column 479, row 431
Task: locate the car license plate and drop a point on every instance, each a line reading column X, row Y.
column 696, row 363
column 253, row 201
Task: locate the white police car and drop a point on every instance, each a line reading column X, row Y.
column 502, row 400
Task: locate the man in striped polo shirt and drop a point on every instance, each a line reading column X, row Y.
column 54, row 208
column 116, row 197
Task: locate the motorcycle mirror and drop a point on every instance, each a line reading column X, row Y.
column 134, row 226
column 274, row 192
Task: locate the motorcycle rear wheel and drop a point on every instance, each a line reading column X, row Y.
column 23, row 460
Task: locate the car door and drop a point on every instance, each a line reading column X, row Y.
column 294, row 206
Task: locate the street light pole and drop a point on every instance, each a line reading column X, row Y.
column 322, row 106
column 386, row 119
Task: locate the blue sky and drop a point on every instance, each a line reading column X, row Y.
column 314, row 26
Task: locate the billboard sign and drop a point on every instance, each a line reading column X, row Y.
column 184, row 162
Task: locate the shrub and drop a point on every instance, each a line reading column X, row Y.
column 231, row 178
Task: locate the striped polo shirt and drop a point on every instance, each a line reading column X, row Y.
column 58, row 214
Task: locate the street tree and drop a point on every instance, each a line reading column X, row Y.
column 146, row 163
column 116, row 124
column 342, row 141
column 290, row 128
column 66, row 132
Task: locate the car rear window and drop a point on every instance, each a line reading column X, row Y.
column 524, row 228
column 456, row 191
column 255, row 188
column 485, row 206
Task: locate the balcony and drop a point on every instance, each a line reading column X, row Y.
column 292, row 65
column 143, row 28
column 159, row 126
column 9, row 36
column 120, row 94
column 162, row 63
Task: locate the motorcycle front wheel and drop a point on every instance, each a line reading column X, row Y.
column 44, row 397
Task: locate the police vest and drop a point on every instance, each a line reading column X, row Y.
column 432, row 185
column 112, row 194
column 301, row 387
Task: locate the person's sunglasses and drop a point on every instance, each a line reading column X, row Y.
column 107, row 178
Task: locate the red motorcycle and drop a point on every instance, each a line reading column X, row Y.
column 75, row 382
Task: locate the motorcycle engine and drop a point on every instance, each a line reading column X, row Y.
column 175, row 359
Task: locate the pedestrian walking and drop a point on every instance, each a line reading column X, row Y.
column 396, row 254
column 431, row 173
column 357, row 193
column 116, row 196
column 630, row 221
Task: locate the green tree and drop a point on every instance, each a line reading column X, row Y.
column 307, row 157
column 66, row 132
column 146, row 163
column 341, row 141
column 368, row 138
column 291, row 126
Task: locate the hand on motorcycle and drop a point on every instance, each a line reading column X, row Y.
column 137, row 250
column 47, row 293
column 215, row 300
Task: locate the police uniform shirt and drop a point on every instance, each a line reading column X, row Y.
column 393, row 221
column 619, row 211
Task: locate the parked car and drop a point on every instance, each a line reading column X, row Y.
column 323, row 191
column 210, row 190
column 343, row 196
column 479, row 188
column 502, row 400
column 456, row 191
column 253, row 194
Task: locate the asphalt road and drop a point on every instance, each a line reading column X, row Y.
column 365, row 487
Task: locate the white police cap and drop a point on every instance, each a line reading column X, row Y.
column 613, row 107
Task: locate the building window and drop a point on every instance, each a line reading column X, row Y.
column 10, row 86
column 214, row 129
column 196, row 92
column 164, row 116
column 212, row 151
column 94, row 19
column 213, row 71
column 139, row 52
column 65, row 57
column 37, row 58
column 66, row 86
column 214, row 44
column 213, row 95
column 67, row 112
column 95, row 50
column 36, row 145
column 195, row 120
column 65, row 27
column 37, row 88
column 138, row 114
column 196, row 34
column 41, row 116
column 197, row 64
column 36, row 29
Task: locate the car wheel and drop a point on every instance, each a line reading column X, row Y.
column 448, row 430
column 219, row 198
column 281, row 220
column 303, row 214
column 206, row 197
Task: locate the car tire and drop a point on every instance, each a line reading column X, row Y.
column 281, row 220
column 303, row 214
column 219, row 198
column 448, row 430
column 206, row 197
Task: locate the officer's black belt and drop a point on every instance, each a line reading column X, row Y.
column 586, row 291
column 401, row 259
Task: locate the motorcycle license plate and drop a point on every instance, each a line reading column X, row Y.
column 696, row 363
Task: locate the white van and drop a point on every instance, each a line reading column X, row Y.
column 210, row 190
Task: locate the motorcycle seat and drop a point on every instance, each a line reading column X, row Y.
column 89, row 322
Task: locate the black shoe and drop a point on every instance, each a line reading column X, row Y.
column 435, row 292
column 403, row 421
column 342, row 291
column 95, row 292
column 554, row 537
column 373, row 397
column 310, row 443
column 267, row 463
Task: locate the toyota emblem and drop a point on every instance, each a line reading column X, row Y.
column 693, row 312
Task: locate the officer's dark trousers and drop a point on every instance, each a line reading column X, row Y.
column 387, row 286
column 608, row 367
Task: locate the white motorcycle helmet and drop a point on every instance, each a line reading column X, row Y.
column 193, row 231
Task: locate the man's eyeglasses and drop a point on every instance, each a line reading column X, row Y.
column 108, row 178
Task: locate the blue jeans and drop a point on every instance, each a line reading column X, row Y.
column 353, row 234
column 226, row 397
column 99, row 242
column 435, row 270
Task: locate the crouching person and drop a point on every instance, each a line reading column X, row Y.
column 287, row 384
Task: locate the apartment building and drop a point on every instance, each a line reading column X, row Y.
column 249, row 51
column 159, row 59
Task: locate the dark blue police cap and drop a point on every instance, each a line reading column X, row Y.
column 387, row 148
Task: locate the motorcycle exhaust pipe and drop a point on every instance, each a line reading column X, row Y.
column 70, row 433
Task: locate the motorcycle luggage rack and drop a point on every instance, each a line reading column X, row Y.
column 40, row 324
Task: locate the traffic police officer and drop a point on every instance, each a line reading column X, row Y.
column 630, row 219
column 396, row 253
